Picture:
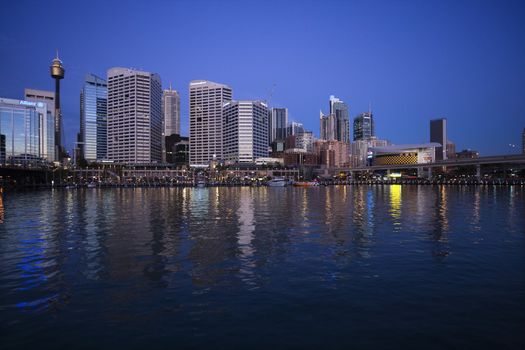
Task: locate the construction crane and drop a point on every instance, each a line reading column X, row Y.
column 270, row 95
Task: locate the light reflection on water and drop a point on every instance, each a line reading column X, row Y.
column 268, row 261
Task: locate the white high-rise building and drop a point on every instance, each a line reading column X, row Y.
column 171, row 112
column 134, row 116
column 206, row 122
column 245, row 131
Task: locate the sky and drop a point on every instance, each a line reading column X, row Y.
column 412, row 61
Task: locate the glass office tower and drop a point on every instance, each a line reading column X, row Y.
column 26, row 132
column 94, row 118
column 278, row 122
column 364, row 126
column 339, row 110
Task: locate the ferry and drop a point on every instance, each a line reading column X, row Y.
column 277, row 182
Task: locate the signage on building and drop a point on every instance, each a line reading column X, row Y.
column 27, row 103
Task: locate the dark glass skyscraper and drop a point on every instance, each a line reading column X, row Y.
column 364, row 126
column 94, row 118
column 278, row 122
column 438, row 133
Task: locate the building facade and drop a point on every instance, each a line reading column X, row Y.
column 93, row 142
column 206, row 123
column 295, row 128
column 332, row 153
column 134, row 116
column 305, row 140
column 404, row 154
column 364, row 128
column 27, row 132
column 467, row 154
column 438, row 134
column 335, row 126
column 171, row 112
column 339, row 110
column 360, row 156
column 48, row 98
column 177, row 150
column 278, row 122
column 245, row 131
column 327, row 125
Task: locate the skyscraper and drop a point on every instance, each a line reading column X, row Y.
column 57, row 72
column 48, row 98
column 93, row 118
column 339, row 110
column 206, row 101
column 327, row 123
column 438, row 133
column 134, row 116
column 245, row 131
column 278, row 122
column 335, row 126
column 171, row 112
column 364, row 126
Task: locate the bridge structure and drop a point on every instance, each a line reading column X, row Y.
column 480, row 164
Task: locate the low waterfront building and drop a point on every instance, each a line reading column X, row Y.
column 269, row 161
column 404, row 154
column 26, row 132
column 467, row 154
column 298, row 157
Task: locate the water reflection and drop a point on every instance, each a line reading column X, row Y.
column 395, row 206
column 1, row 208
column 245, row 217
column 206, row 255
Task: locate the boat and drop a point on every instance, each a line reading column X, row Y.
column 277, row 182
column 305, row 183
column 91, row 185
column 201, row 184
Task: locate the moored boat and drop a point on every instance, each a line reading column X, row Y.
column 277, row 182
column 305, row 183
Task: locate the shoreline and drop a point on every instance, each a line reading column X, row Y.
column 470, row 183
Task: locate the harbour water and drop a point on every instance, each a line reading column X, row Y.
column 324, row 267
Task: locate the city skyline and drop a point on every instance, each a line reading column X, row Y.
column 465, row 71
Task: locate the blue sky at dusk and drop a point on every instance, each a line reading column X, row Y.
column 412, row 60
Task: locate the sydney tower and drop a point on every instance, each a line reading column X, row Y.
column 57, row 73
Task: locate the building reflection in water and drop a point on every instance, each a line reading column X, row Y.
column 395, row 206
column 363, row 219
column 1, row 208
column 475, row 217
column 245, row 236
